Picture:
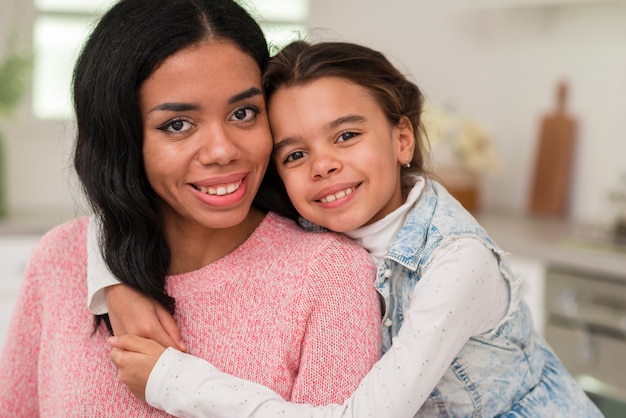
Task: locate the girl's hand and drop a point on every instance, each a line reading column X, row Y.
column 132, row 312
column 135, row 357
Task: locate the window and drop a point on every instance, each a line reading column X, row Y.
column 59, row 31
column 61, row 27
column 281, row 20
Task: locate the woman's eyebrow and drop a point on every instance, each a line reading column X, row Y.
column 175, row 107
column 184, row 107
column 252, row 91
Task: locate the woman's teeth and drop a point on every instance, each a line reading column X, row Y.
column 335, row 196
column 220, row 190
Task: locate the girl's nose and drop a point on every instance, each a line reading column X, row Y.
column 217, row 147
column 325, row 165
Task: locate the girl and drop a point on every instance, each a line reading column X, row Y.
column 173, row 143
column 458, row 339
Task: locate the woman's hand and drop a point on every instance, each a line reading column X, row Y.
column 135, row 357
column 132, row 312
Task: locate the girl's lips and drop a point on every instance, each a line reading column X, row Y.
column 335, row 196
column 334, row 193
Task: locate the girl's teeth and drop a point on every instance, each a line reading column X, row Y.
column 338, row 195
column 220, row 191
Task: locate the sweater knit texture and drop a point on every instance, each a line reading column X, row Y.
column 292, row 310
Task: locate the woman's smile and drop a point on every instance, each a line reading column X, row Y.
column 206, row 136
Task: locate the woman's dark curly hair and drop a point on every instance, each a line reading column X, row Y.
column 130, row 41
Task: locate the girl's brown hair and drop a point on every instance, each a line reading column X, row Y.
column 301, row 62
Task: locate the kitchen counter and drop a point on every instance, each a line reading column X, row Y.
column 553, row 241
column 32, row 223
column 557, row 243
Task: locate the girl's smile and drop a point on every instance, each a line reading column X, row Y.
column 335, row 193
column 337, row 153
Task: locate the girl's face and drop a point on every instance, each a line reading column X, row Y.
column 206, row 136
column 337, row 153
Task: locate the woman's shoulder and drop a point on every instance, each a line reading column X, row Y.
column 328, row 256
column 287, row 231
column 66, row 240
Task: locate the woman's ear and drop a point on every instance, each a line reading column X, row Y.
column 405, row 140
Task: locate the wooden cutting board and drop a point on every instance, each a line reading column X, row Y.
column 553, row 160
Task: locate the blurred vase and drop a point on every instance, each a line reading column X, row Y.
column 462, row 183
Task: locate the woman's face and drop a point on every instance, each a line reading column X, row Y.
column 206, row 136
column 337, row 153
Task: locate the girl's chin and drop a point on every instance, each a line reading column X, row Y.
column 338, row 225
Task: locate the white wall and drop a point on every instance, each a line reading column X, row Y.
column 501, row 65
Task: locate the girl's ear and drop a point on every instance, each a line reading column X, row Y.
column 405, row 140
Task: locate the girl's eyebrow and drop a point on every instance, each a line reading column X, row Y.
column 283, row 143
column 346, row 119
column 184, row 107
column 330, row 125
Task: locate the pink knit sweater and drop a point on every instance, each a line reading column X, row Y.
column 292, row 310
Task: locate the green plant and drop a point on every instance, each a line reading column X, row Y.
column 14, row 76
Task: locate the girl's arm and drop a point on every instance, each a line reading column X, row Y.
column 338, row 316
column 460, row 295
column 130, row 311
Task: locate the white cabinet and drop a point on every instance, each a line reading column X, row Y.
column 533, row 275
column 14, row 253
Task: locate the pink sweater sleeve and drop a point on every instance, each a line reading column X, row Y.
column 18, row 363
column 342, row 338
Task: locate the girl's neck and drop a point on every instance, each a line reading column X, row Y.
column 377, row 237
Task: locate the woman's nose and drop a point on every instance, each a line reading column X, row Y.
column 217, row 147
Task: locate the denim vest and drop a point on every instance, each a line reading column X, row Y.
column 507, row 372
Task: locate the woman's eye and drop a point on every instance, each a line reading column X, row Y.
column 346, row 136
column 176, row 126
column 246, row 114
column 295, row 156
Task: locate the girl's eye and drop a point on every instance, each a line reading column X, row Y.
column 295, row 156
column 246, row 114
column 176, row 126
column 346, row 136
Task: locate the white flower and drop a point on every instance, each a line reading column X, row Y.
column 458, row 141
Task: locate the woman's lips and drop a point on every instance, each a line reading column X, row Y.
column 219, row 190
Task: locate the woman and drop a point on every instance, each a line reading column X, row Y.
column 172, row 146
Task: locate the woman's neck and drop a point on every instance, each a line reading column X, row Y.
column 194, row 248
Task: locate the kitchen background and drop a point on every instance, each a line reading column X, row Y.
column 493, row 63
